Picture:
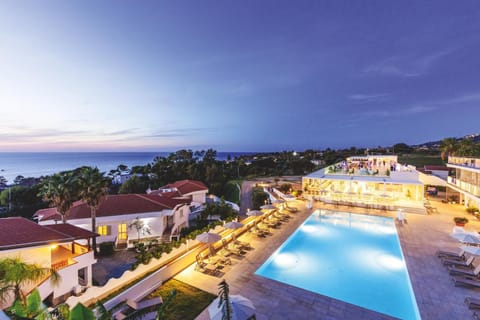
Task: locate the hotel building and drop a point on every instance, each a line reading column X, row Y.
column 464, row 182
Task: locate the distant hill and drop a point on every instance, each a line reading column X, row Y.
column 436, row 144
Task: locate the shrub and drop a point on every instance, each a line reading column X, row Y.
column 106, row 248
column 460, row 220
column 472, row 209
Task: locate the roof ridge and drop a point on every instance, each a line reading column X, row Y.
column 151, row 200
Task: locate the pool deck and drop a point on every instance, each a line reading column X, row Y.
column 437, row 297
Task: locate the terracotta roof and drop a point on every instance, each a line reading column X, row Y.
column 113, row 205
column 437, row 168
column 17, row 232
column 186, row 186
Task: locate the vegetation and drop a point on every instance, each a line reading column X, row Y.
column 189, row 301
column 460, row 220
column 93, row 186
column 224, row 300
column 218, row 209
column 258, row 197
column 15, row 273
column 60, row 190
column 106, row 248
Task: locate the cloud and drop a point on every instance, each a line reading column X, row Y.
column 407, row 65
column 169, row 133
column 464, row 98
column 368, row 97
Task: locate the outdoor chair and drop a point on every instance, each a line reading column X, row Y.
column 231, row 248
column 241, row 244
column 458, row 263
column 451, row 254
column 216, row 259
column 204, row 267
column 466, row 282
column 472, row 303
column 453, row 270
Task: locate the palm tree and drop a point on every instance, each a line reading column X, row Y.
column 14, row 273
column 448, row 147
column 59, row 191
column 93, row 186
column 467, row 147
column 224, row 300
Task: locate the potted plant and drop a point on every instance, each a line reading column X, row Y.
column 460, row 221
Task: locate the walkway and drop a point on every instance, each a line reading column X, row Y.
column 437, row 297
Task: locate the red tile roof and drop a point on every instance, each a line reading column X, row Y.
column 113, row 205
column 186, row 186
column 17, row 232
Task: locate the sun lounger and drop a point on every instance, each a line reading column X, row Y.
column 216, row 259
column 467, row 263
column 453, row 270
column 231, row 248
column 241, row 244
column 204, row 267
column 451, row 254
column 472, row 303
column 466, row 282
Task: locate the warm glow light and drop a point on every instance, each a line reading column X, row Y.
column 54, row 246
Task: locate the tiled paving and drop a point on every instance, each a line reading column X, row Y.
column 437, row 297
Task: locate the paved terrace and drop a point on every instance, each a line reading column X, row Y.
column 437, row 297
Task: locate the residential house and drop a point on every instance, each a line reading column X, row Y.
column 162, row 217
column 63, row 247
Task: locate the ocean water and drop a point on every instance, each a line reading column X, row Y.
column 36, row 164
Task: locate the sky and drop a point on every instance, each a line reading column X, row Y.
column 236, row 75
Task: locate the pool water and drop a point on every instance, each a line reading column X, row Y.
column 350, row 257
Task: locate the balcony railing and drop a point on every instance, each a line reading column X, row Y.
column 465, row 162
column 465, row 186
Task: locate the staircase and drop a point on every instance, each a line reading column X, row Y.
column 166, row 235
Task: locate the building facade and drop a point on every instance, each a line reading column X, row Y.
column 58, row 247
column 464, row 182
column 376, row 181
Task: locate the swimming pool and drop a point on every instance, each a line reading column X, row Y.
column 350, row 257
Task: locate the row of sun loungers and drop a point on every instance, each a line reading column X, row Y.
column 464, row 274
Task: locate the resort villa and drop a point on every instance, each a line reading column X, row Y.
column 54, row 246
column 160, row 214
column 373, row 181
column 464, row 183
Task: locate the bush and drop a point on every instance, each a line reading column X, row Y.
column 460, row 220
column 106, row 248
column 472, row 209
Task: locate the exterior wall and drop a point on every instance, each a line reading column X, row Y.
column 40, row 255
column 198, row 196
column 466, row 180
column 69, row 277
column 153, row 219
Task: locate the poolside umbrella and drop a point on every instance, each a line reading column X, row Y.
column 472, row 250
column 233, row 225
column 466, row 237
column 254, row 213
column 208, row 237
column 241, row 307
column 268, row 207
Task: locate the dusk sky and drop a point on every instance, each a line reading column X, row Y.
column 236, row 75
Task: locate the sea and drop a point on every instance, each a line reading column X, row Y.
column 36, row 164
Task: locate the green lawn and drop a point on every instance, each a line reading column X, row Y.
column 420, row 160
column 188, row 303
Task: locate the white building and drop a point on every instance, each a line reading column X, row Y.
column 55, row 246
column 162, row 216
column 464, row 183
column 374, row 181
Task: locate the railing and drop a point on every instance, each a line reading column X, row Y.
column 59, row 265
column 465, row 162
column 465, row 186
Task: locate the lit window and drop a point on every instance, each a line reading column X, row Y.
column 103, row 230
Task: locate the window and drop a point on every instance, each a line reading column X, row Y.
column 122, row 231
column 104, row 230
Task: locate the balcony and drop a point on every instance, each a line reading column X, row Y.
column 62, row 256
column 465, row 186
column 466, row 162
